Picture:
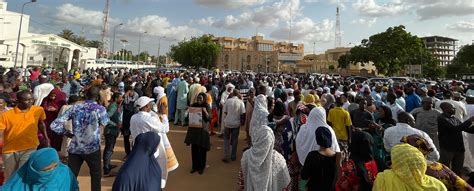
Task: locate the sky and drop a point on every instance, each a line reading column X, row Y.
column 311, row 22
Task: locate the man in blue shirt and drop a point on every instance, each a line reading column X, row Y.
column 412, row 100
column 87, row 120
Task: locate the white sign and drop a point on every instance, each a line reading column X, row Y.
column 290, row 57
column 412, row 69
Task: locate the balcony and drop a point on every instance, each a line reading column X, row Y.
column 294, row 51
column 244, row 40
column 228, row 39
column 228, row 46
column 242, row 47
column 283, row 50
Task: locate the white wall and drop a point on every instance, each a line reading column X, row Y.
column 10, row 21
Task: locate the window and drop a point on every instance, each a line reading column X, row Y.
column 249, row 58
column 265, row 47
column 44, row 58
column 226, row 58
column 31, row 57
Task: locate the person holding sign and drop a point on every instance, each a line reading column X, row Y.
column 198, row 133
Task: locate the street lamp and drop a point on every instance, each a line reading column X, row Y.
column 113, row 40
column 139, row 43
column 159, row 46
column 19, row 32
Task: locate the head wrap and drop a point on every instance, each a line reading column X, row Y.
column 418, row 142
column 323, row 137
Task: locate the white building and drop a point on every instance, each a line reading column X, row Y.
column 36, row 49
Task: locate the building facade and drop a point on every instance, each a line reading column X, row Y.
column 442, row 48
column 327, row 63
column 258, row 54
column 36, row 49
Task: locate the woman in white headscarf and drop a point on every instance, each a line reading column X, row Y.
column 306, row 137
column 263, row 168
column 259, row 115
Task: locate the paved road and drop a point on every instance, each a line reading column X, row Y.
column 218, row 176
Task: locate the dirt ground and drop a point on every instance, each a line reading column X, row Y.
column 218, row 175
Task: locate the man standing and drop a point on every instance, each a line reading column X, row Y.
column 394, row 107
column 112, row 130
column 145, row 121
column 340, row 120
column 412, row 100
column 234, row 111
column 182, row 103
column 361, row 118
column 404, row 127
column 451, row 142
column 87, row 120
column 426, row 119
column 42, row 90
column 128, row 110
column 229, row 88
column 20, row 126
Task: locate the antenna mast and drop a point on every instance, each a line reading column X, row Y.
column 337, row 40
column 105, row 30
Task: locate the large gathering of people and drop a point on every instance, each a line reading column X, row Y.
column 302, row 131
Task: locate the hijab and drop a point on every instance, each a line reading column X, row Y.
column 306, row 137
column 31, row 175
column 407, row 173
column 360, row 150
column 263, row 168
column 260, row 114
column 141, row 171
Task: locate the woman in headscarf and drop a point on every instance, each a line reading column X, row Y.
column 383, row 120
column 52, row 104
column 359, row 172
column 407, row 173
column 306, row 140
column 162, row 100
column 320, row 165
column 141, row 171
column 198, row 138
column 263, row 168
column 42, row 171
column 259, row 115
column 278, row 120
column 435, row 169
column 171, row 95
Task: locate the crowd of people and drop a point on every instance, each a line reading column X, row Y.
column 303, row 132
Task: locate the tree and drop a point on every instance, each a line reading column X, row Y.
column 343, row 61
column 462, row 63
column 196, row 52
column 390, row 50
column 94, row 43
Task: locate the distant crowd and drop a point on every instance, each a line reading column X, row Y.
column 302, row 131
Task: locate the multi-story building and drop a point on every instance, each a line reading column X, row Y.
column 258, row 55
column 327, row 63
column 442, row 48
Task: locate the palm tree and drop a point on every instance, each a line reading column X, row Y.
column 67, row 34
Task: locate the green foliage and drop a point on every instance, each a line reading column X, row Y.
column 463, row 62
column 331, row 67
column 390, row 50
column 69, row 35
column 196, row 52
column 343, row 61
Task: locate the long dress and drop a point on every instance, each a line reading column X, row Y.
column 183, row 90
column 57, row 103
column 171, row 94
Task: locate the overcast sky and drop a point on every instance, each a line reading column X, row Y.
column 311, row 21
